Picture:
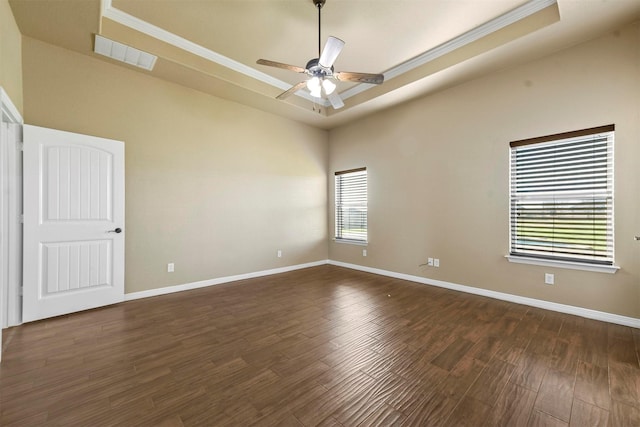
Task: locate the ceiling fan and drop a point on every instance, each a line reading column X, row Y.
column 320, row 70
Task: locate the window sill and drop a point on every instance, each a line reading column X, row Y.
column 351, row 242
column 611, row 269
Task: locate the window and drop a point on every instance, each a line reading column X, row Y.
column 561, row 202
column 351, row 205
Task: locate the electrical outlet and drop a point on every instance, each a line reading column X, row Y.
column 364, row 252
column 430, row 262
column 279, row 253
column 170, row 267
column 436, row 262
column 549, row 278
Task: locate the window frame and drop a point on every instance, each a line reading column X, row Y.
column 339, row 220
column 554, row 259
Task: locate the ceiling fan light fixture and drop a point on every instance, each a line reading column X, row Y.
column 313, row 83
column 328, row 86
column 316, row 92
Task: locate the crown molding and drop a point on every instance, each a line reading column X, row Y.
column 130, row 21
column 489, row 27
column 527, row 9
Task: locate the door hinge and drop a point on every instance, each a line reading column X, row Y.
column 21, row 290
column 21, row 218
column 21, row 146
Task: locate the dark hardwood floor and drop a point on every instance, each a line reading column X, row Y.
column 321, row 346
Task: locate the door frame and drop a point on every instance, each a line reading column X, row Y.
column 10, row 212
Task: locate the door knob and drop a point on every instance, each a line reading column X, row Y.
column 117, row 230
column 637, row 237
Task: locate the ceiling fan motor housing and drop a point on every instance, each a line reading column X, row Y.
column 316, row 70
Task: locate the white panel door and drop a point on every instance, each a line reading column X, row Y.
column 73, row 196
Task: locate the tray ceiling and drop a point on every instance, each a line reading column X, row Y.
column 420, row 45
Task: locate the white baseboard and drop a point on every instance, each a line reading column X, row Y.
column 211, row 282
column 562, row 308
column 547, row 305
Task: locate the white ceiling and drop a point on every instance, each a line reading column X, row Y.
column 421, row 46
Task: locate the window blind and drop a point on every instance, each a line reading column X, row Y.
column 562, row 197
column 351, row 205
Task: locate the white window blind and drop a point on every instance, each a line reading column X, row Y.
column 351, row 205
column 562, row 196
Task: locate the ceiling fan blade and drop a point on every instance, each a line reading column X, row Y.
column 330, row 52
column 335, row 100
column 346, row 76
column 293, row 89
column 280, row 65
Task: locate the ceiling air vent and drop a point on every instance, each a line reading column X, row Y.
column 124, row 53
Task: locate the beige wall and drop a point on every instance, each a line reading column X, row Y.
column 10, row 55
column 211, row 185
column 217, row 187
column 438, row 173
